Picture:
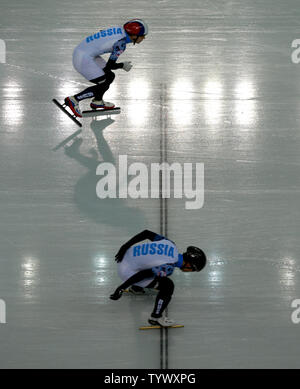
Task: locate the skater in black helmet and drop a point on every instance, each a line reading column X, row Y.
column 149, row 265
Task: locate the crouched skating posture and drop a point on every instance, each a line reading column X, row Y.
column 88, row 61
column 149, row 265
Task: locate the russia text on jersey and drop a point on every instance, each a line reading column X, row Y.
column 153, row 248
column 104, row 33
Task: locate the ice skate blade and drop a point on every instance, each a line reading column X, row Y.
column 157, row 327
column 101, row 112
column 62, row 107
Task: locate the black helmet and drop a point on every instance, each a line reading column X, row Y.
column 195, row 257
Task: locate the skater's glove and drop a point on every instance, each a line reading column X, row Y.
column 127, row 66
column 116, row 295
column 120, row 254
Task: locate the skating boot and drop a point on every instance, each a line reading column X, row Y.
column 100, row 104
column 73, row 104
column 161, row 321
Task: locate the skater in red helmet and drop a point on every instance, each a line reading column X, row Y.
column 149, row 265
column 88, row 61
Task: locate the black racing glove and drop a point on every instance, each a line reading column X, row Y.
column 120, row 254
column 117, row 294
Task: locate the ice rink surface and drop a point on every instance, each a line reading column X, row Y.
column 215, row 81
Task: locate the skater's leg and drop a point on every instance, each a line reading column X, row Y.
column 97, row 91
column 166, row 289
column 92, row 70
column 87, row 93
column 103, row 84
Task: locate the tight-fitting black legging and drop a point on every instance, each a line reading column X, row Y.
column 97, row 91
column 166, row 288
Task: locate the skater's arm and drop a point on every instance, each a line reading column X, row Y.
column 148, row 273
column 146, row 234
column 118, row 48
column 112, row 65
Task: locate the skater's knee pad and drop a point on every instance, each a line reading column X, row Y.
column 165, row 286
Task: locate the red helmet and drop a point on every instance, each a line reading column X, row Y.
column 136, row 27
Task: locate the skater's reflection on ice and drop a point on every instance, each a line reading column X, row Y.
column 113, row 212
